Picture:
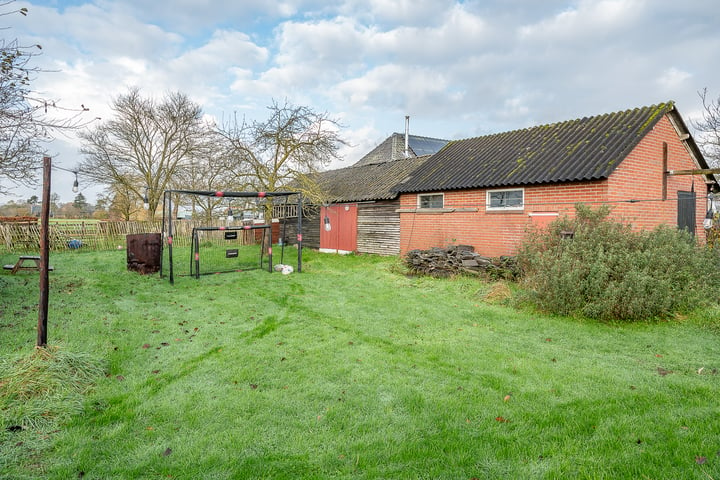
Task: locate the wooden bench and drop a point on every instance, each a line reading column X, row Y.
column 19, row 265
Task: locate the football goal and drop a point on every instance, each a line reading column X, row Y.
column 241, row 239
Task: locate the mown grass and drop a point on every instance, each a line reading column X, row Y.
column 353, row 370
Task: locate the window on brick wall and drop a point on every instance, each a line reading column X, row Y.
column 502, row 200
column 431, row 200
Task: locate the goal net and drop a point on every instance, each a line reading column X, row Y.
column 230, row 249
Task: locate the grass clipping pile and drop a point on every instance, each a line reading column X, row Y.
column 45, row 388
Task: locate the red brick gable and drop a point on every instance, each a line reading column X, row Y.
column 641, row 176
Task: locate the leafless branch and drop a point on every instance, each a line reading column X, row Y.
column 709, row 128
column 288, row 148
column 147, row 143
column 28, row 121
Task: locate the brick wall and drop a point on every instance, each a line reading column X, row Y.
column 641, row 175
column 638, row 177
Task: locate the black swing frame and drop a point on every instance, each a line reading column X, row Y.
column 167, row 219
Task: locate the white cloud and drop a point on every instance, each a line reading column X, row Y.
column 228, row 47
column 516, row 107
column 189, row 17
column 393, row 86
column 673, row 78
column 91, row 30
column 206, row 72
column 396, row 12
column 78, row 84
column 326, row 43
column 586, row 22
column 459, row 33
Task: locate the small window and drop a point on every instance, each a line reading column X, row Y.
column 506, row 199
column 433, row 200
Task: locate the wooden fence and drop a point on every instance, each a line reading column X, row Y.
column 24, row 237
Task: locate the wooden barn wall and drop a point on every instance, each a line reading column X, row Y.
column 378, row 228
column 311, row 228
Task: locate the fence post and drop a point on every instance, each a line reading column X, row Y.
column 44, row 257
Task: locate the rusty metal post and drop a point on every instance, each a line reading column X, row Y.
column 299, row 231
column 44, row 256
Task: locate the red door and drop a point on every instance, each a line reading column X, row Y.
column 338, row 228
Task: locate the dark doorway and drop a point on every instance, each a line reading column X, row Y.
column 686, row 211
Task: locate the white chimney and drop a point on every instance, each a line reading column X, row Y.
column 407, row 135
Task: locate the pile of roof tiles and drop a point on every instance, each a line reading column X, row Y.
column 458, row 259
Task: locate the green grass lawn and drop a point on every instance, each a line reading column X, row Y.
column 348, row 370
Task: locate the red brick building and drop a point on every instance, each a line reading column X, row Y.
column 486, row 191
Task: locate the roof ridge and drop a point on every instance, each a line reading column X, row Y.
column 364, row 165
column 666, row 106
column 420, row 136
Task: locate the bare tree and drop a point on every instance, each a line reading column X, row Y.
column 207, row 171
column 143, row 149
column 27, row 120
column 123, row 204
column 709, row 128
column 293, row 144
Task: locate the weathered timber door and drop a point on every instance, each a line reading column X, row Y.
column 686, row 211
column 338, row 228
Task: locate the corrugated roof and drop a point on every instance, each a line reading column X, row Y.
column 367, row 182
column 393, row 148
column 585, row 149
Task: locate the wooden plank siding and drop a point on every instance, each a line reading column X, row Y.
column 378, row 227
column 311, row 228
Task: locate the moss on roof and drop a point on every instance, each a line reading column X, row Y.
column 587, row 148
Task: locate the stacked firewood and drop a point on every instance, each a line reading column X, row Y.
column 455, row 259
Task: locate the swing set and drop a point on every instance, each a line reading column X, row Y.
column 219, row 249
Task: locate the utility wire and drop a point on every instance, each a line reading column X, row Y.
column 540, row 204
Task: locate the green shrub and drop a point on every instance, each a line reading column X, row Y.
column 607, row 271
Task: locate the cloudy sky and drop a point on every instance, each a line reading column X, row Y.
column 458, row 68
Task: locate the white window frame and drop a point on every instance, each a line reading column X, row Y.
column 419, row 200
column 514, row 208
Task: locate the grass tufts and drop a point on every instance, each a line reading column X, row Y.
column 45, row 387
column 499, row 293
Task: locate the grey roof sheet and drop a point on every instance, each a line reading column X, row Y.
column 393, row 148
column 585, row 149
column 367, row 182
